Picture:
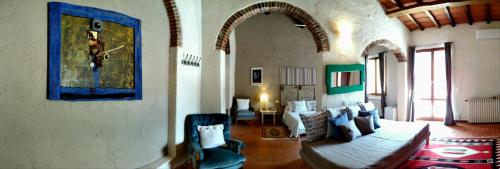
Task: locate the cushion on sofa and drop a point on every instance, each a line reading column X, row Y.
column 333, row 130
column 300, row 106
column 365, row 124
column 374, row 114
column 368, row 106
column 354, row 110
column 349, row 131
column 315, row 125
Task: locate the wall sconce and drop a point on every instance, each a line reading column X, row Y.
column 264, row 98
column 343, row 29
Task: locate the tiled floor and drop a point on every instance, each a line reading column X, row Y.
column 284, row 153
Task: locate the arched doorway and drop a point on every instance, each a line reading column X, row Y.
column 174, row 23
column 391, row 47
column 388, row 90
column 318, row 33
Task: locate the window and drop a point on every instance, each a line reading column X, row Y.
column 430, row 84
column 373, row 76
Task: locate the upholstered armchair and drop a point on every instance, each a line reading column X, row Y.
column 242, row 114
column 227, row 157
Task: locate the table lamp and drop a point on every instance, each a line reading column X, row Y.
column 264, row 98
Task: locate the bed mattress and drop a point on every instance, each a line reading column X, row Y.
column 388, row 147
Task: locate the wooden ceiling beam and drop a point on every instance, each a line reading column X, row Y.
column 488, row 16
column 469, row 16
column 422, row 6
column 433, row 18
column 449, row 16
column 414, row 21
column 398, row 3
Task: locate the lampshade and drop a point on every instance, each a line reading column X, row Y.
column 264, row 97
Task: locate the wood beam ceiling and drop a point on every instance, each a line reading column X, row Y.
column 423, row 6
column 433, row 18
column 469, row 16
column 449, row 16
column 488, row 15
column 412, row 19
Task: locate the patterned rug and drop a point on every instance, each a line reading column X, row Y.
column 274, row 132
column 457, row 153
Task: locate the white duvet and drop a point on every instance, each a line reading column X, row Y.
column 293, row 122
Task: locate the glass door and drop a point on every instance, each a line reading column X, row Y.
column 430, row 84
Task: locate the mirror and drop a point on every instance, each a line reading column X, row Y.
column 343, row 79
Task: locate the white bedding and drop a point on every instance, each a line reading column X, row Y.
column 293, row 122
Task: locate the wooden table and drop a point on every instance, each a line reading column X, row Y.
column 268, row 112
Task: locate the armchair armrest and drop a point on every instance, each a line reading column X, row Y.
column 235, row 145
column 196, row 151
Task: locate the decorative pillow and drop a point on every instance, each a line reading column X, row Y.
column 315, row 125
column 365, row 124
column 290, row 107
column 374, row 114
column 211, row 136
column 311, row 105
column 300, row 106
column 349, row 131
column 354, row 110
column 336, row 111
column 368, row 106
column 333, row 130
column 243, row 104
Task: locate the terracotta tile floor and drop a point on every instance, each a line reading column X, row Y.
column 284, row 153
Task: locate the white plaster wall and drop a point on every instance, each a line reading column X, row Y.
column 475, row 63
column 366, row 17
column 185, row 80
column 230, row 68
column 38, row 133
column 271, row 41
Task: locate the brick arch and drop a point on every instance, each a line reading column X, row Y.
column 174, row 22
column 394, row 49
column 319, row 35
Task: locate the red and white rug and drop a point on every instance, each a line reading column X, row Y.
column 457, row 153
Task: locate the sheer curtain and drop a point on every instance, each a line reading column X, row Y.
column 411, row 80
column 449, row 109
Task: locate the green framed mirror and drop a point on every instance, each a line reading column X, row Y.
column 344, row 78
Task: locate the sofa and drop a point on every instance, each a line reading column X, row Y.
column 388, row 147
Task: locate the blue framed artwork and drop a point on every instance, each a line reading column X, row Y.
column 94, row 54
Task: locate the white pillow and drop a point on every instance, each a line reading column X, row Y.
column 336, row 111
column 290, row 107
column 243, row 104
column 211, row 136
column 354, row 110
column 311, row 105
column 368, row 106
column 300, row 106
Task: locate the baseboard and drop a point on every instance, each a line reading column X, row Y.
column 162, row 163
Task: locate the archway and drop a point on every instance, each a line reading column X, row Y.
column 174, row 23
column 395, row 76
column 394, row 49
column 319, row 35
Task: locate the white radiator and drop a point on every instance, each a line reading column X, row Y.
column 484, row 110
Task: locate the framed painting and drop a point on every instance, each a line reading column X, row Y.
column 256, row 76
column 94, row 54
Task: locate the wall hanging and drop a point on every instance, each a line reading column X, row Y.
column 344, row 78
column 256, row 76
column 94, row 54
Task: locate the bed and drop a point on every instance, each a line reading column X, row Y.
column 291, row 119
column 293, row 122
column 388, row 147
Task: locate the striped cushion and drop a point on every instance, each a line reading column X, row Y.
column 315, row 125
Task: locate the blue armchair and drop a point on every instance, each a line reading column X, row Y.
column 227, row 157
column 242, row 114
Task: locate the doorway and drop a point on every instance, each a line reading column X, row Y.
column 430, row 84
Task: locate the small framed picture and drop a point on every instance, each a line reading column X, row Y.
column 256, row 76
